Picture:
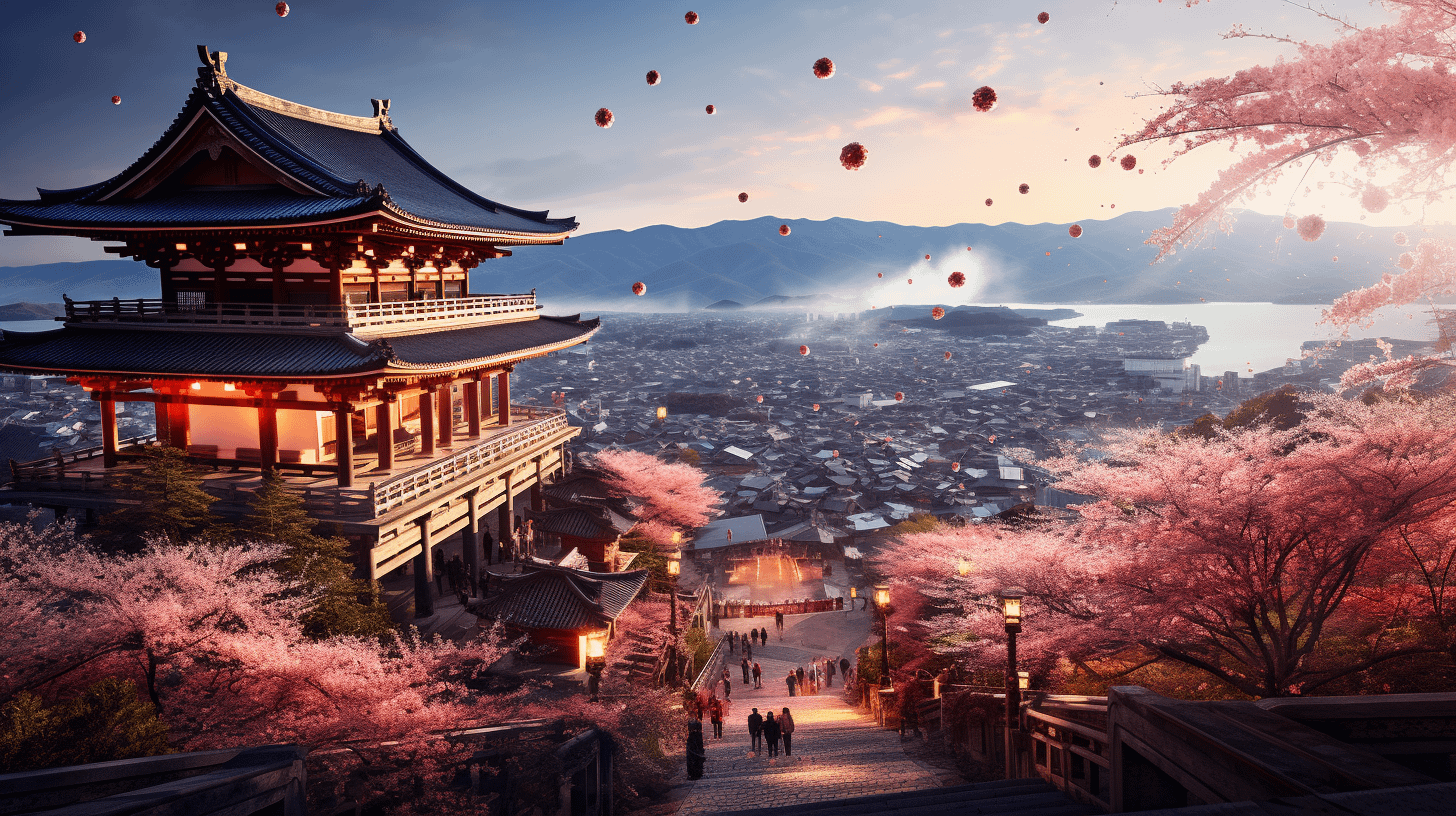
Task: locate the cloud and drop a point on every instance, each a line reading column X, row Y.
column 884, row 116
column 906, row 74
column 925, row 86
column 831, row 132
column 866, row 85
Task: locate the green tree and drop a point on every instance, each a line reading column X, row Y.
column 345, row 605
column 169, row 502
column 106, row 721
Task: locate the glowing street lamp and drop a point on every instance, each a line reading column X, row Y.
column 674, row 566
column 596, row 661
column 882, row 603
column 964, row 568
column 1010, row 599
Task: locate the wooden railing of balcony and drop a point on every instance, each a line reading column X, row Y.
column 360, row 318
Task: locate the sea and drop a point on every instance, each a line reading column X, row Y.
column 1241, row 336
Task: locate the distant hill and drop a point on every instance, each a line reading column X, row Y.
column 31, row 311
column 833, row 266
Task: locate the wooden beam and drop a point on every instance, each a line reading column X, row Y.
column 503, row 398
column 268, row 435
column 472, row 407
column 232, row 402
column 384, row 434
column 344, row 445
column 108, row 431
column 445, row 400
column 427, row 421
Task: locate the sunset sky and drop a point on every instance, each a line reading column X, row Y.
column 501, row 95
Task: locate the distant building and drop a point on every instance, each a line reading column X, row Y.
column 1165, row 373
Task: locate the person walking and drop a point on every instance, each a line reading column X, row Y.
column 748, row 650
column 697, row 755
column 487, row 546
column 800, row 674
column 771, row 734
column 727, row 686
column 732, row 642
column 763, row 635
column 779, row 623
column 754, row 632
column 792, row 681
column 844, row 669
column 829, row 673
column 757, row 676
column 744, row 664
column 755, row 731
column 786, row 730
column 715, row 716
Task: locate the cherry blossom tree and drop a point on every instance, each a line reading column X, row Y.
column 1278, row 561
column 1382, row 95
column 675, row 500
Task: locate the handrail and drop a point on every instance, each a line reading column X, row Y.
column 365, row 317
column 710, row 670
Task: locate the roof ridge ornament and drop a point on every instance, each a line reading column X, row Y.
column 381, row 112
column 214, row 74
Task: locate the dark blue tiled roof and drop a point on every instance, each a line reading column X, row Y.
column 560, row 598
column 190, row 209
column 444, row 348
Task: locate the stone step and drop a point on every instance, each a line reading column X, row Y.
column 1016, row 797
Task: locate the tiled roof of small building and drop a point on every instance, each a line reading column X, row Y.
column 561, row 598
column 581, row 521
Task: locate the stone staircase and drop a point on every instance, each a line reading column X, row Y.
column 1013, row 797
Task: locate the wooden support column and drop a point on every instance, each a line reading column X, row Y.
column 179, row 427
column 268, row 433
column 537, row 503
column 472, row 407
column 505, row 515
column 108, row 430
column 503, row 398
column 384, row 434
column 470, row 541
column 427, row 421
column 344, row 444
column 445, row 400
column 424, row 573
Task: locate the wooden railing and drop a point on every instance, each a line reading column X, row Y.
column 363, row 318
column 1069, row 745
column 52, row 469
column 536, row 424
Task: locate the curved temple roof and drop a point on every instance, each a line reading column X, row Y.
column 327, row 167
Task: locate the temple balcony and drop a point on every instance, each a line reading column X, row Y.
column 79, row 480
column 363, row 319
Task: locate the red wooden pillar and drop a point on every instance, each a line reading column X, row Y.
column 108, row 429
column 503, row 398
column 427, row 421
column 384, row 434
column 344, row 442
column 445, row 400
column 472, row 407
column 178, row 424
column 268, row 434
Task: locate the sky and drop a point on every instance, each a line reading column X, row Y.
column 500, row 96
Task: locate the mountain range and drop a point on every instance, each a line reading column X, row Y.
column 836, row 265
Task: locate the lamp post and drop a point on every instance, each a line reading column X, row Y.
column 661, row 414
column 882, row 603
column 853, row 593
column 674, row 566
column 1011, row 608
column 596, row 661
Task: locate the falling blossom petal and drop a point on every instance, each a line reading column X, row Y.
column 984, row 98
column 1311, row 227
column 824, row 67
column 691, row 18
column 653, row 77
column 743, row 198
column 1024, row 189
column 853, row 155
column 1095, row 161
column 604, row 118
column 909, row 280
column 281, row 9
column 1129, row 162
column 1043, row 18
column 784, row 229
column 937, row 313
column 639, row 288
column 1075, row 230
column 956, row 280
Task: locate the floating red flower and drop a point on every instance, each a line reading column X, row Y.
column 879, row 274
column 691, row 18
column 877, row 345
column 1374, row 199
column 804, row 350
column 824, row 67
column 653, row 77
column 116, row 100
column 988, row 202
column 909, row 280
column 853, row 155
column 711, row 110
column 79, row 37
column 639, row 288
column 1043, row 17
column 984, row 98
column 604, row 118
column 956, row 280
column 955, row 467
column 1401, row 239
column 784, row 229
column 947, row 355
column 759, row 398
column 282, row 9
column 743, row 198
column 1289, row 222
column 816, row 406
column 1094, row 161
column 1024, row 189
column 1128, row 162
column 835, row 454
column 899, row 397
column 927, row 257
column 1075, row 230
column 937, row 313
column 1311, row 227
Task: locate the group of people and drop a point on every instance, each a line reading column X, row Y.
column 752, row 670
column 748, row 642
column 769, row 730
column 820, row 675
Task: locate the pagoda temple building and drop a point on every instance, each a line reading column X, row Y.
column 317, row 317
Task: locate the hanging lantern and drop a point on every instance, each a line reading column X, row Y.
column 984, row 99
column 877, row 345
column 910, row 280
column 824, row 67
column 639, row 288
column 604, row 118
column 653, row 77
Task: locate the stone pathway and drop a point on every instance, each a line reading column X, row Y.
column 838, row 752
